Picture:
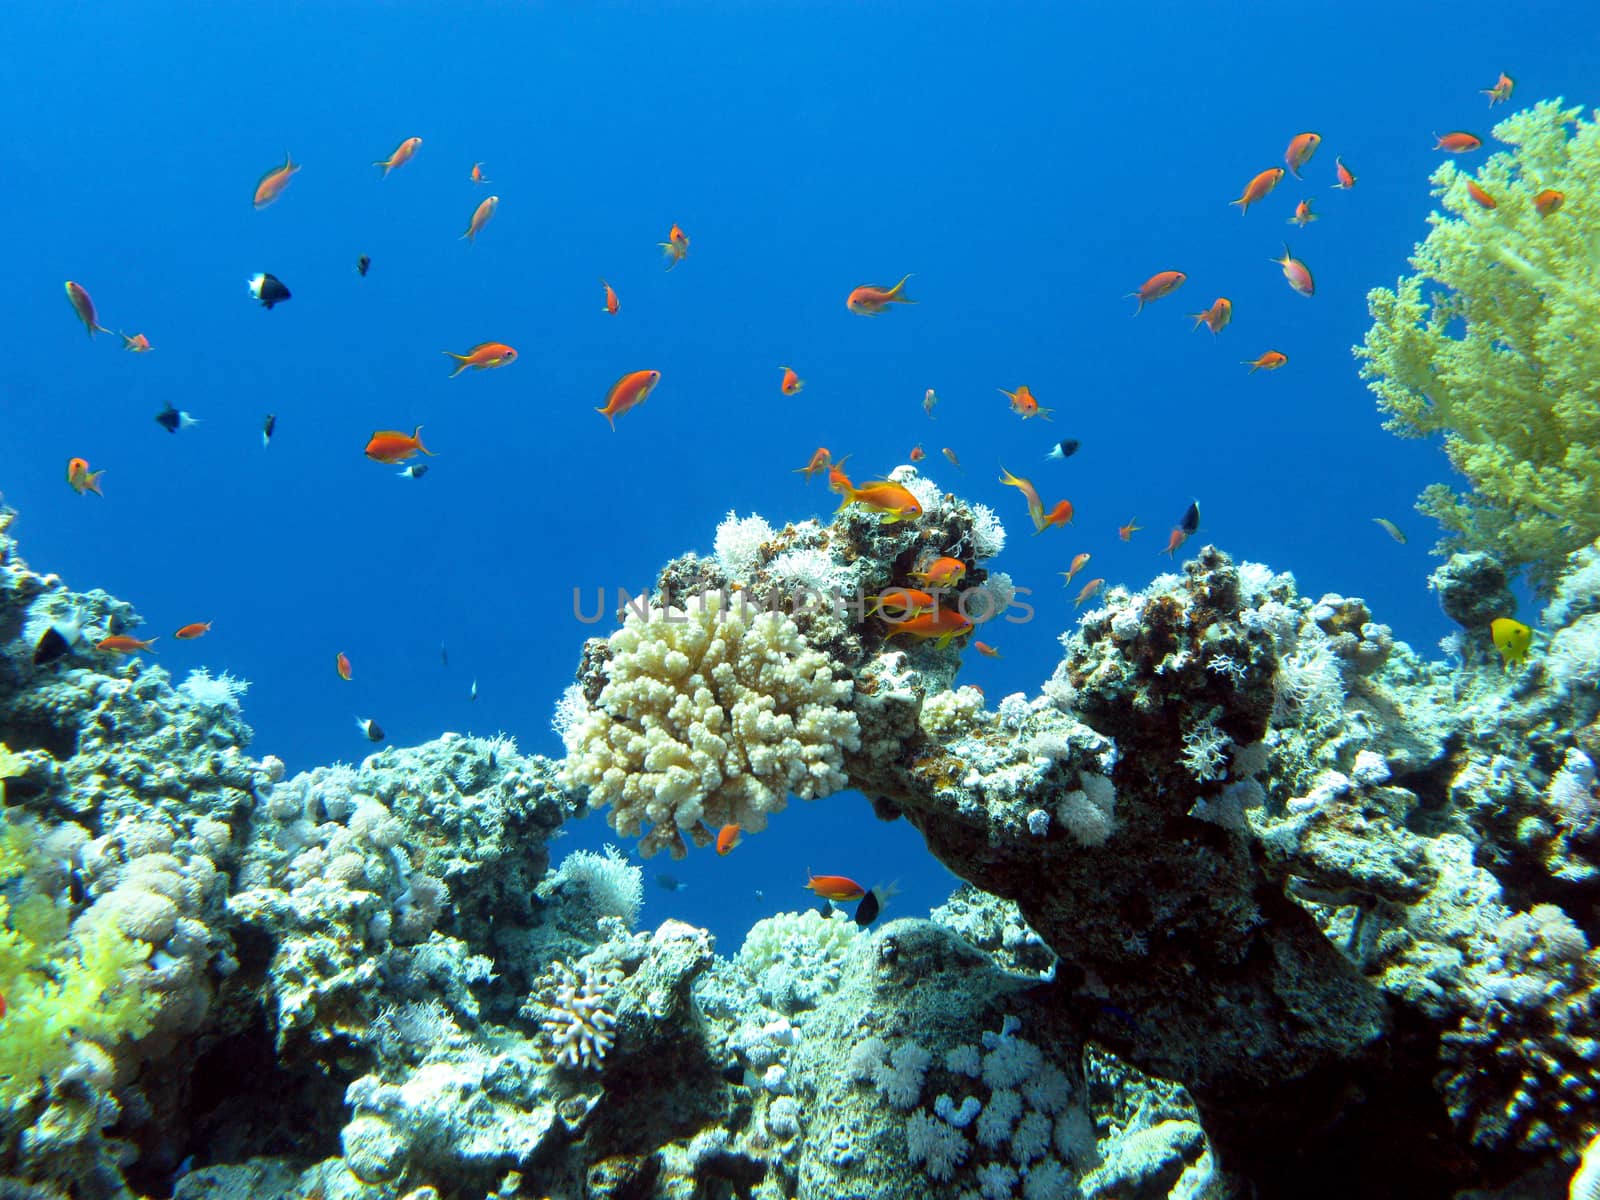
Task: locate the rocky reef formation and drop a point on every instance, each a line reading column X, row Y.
column 1246, row 875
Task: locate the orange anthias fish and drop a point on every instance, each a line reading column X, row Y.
column 1297, row 273
column 903, row 600
column 942, row 573
column 1258, row 188
column 632, row 389
column 1346, row 177
column 1077, row 565
column 1216, row 317
column 1024, row 405
column 477, row 175
column 341, row 664
column 792, row 383
column 1479, row 196
column 727, row 838
column 676, row 247
column 986, row 650
column 81, row 478
column 122, row 643
column 838, row 481
column 1501, row 91
column 480, row 218
column 392, row 446
column 401, row 156
column 483, row 357
column 1060, row 515
column 868, row 301
column 1458, row 143
column 1089, row 589
column 1303, row 215
column 1177, row 538
column 138, row 343
column 84, row 307
column 612, row 303
column 1029, row 493
column 1162, row 283
column 1270, row 361
column 1126, row 532
column 1300, row 150
column 917, row 453
column 942, row 624
column 189, row 632
column 274, row 181
column 821, row 460
column 835, row 887
column 1549, row 201
column 894, row 502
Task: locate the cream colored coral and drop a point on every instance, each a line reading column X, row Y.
column 1494, row 342
column 948, row 714
column 709, row 716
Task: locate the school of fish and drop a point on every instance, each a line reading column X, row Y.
column 932, row 615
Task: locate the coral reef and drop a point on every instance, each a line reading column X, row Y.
column 1246, row 872
column 1492, row 343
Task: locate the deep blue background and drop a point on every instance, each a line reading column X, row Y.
column 1030, row 163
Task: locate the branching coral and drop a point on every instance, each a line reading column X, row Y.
column 710, row 716
column 63, row 989
column 1493, row 342
column 574, row 1013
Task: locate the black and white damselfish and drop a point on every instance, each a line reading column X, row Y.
column 268, row 289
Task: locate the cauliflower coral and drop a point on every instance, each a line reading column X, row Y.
column 709, row 716
column 1494, row 342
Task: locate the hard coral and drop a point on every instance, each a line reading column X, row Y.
column 1493, row 343
column 710, row 716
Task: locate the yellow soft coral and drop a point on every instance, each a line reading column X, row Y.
column 1495, row 342
column 61, row 988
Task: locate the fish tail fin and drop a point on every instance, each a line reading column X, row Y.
column 416, row 436
column 92, row 481
column 897, row 292
column 461, row 362
column 610, row 420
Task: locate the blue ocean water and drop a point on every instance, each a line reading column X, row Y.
column 1030, row 164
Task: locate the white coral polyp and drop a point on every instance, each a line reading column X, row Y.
column 710, row 716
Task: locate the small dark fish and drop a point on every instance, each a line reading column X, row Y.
column 1191, row 518
column 172, row 420
column 362, row 264
column 51, row 646
column 414, row 471
column 268, row 289
column 444, row 656
column 873, row 903
column 473, row 694
column 1118, row 1013
column 1064, row 449
column 734, row 1072
column 371, row 728
column 268, row 429
column 668, row 883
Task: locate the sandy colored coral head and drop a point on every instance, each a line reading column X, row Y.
column 709, row 716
